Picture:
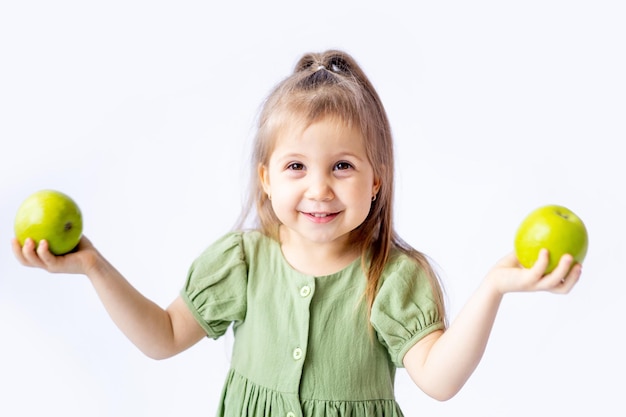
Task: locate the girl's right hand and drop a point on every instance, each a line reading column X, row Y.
column 80, row 261
column 157, row 332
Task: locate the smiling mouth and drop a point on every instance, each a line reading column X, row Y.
column 320, row 214
column 321, row 217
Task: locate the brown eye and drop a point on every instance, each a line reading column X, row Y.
column 295, row 166
column 343, row 166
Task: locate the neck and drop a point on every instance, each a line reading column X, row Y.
column 317, row 259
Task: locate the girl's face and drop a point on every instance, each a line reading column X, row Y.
column 320, row 182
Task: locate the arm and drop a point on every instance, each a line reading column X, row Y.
column 441, row 362
column 157, row 332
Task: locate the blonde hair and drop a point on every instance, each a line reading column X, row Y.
column 331, row 84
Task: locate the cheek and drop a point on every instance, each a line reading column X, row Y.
column 365, row 206
column 361, row 199
column 283, row 196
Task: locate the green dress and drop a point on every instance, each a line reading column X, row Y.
column 303, row 346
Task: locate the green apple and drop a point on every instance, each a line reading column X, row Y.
column 551, row 227
column 49, row 215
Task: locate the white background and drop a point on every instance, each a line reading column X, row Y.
column 143, row 112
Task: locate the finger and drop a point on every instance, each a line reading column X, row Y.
column 43, row 251
column 29, row 254
column 541, row 264
column 556, row 281
column 560, row 273
column 17, row 251
column 51, row 262
column 572, row 278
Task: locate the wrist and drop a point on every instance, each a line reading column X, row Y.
column 492, row 288
column 95, row 265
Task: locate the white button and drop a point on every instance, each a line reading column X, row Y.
column 305, row 291
column 290, row 414
column 297, row 353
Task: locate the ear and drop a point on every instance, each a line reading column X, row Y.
column 264, row 178
column 376, row 186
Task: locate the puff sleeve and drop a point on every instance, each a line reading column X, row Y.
column 404, row 310
column 215, row 289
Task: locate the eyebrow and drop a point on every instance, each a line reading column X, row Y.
column 340, row 155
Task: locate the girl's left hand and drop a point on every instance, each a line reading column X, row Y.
column 509, row 276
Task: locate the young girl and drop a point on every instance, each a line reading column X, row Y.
column 324, row 298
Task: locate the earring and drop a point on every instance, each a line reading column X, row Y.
column 374, row 197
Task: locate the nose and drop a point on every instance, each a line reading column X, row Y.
column 319, row 188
